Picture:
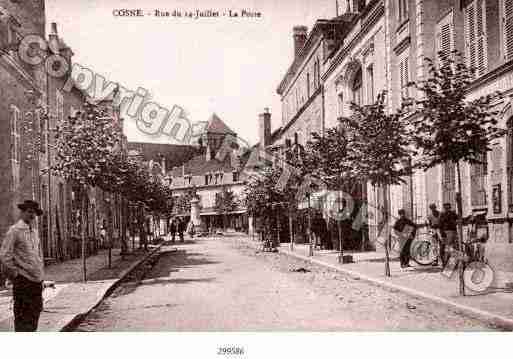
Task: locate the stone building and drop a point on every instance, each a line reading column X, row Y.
column 482, row 30
column 201, row 170
column 217, row 167
column 381, row 45
column 26, row 91
column 21, row 91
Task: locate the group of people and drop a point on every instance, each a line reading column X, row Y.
column 176, row 226
column 442, row 224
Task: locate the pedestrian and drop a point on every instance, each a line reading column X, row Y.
column 22, row 259
column 405, row 229
column 448, row 229
column 433, row 223
column 103, row 234
column 190, row 230
column 181, row 229
column 172, row 229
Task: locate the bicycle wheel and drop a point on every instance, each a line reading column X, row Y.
column 424, row 251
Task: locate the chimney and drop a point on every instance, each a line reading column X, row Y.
column 300, row 36
column 53, row 38
column 264, row 129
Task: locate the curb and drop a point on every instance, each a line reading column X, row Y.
column 482, row 315
column 71, row 321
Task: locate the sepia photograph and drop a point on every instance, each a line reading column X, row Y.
column 271, row 171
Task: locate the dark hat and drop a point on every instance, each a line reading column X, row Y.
column 432, row 205
column 29, row 204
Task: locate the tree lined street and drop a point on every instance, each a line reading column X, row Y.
column 225, row 285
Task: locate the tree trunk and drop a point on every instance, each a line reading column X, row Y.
column 111, row 232
column 82, row 232
column 339, row 232
column 461, row 263
column 310, row 235
column 386, row 215
column 123, row 224
column 291, row 230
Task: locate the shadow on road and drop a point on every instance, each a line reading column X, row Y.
column 166, row 281
column 160, row 270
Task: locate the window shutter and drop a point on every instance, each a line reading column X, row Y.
column 481, row 37
column 470, row 36
column 406, row 76
column 508, row 28
column 444, row 34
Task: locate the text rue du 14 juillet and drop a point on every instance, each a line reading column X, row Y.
column 207, row 13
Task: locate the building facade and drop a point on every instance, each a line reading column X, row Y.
column 21, row 91
column 198, row 174
column 381, row 45
column 27, row 94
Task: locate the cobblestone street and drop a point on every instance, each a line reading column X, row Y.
column 224, row 285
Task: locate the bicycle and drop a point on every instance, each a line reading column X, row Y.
column 425, row 248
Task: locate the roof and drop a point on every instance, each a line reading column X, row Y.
column 199, row 166
column 217, row 126
column 175, row 155
column 334, row 28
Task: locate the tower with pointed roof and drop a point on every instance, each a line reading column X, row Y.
column 214, row 136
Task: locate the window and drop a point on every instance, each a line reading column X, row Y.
column 60, row 106
column 42, row 131
column 206, row 180
column 317, row 74
column 15, row 153
column 308, row 133
column 478, row 174
column 402, row 10
column 307, row 86
column 370, row 85
column 507, row 20
column 475, row 36
column 444, row 34
column 509, row 162
column 449, row 183
column 235, row 177
column 404, row 75
column 340, row 100
column 356, row 87
column 15, row 134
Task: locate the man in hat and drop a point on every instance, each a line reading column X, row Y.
column 448, row 229
column 433, row 222
column 405, row 229
column 22, row 259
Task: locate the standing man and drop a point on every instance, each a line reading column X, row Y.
column 181, row 229
column 433, row 222
column 405, row 229
column 172, row 228
column 448, row 229
column 21, row 256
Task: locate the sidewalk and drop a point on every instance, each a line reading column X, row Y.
column 72, row 298
column 428, row 282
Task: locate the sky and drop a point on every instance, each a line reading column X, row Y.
column 228, row 66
